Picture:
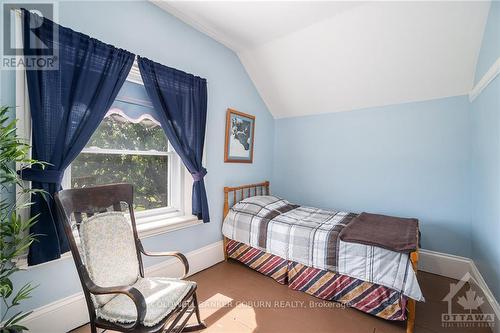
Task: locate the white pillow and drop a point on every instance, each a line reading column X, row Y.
column 259, row 204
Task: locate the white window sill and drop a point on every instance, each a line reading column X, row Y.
column 161, row 220
column 149, row 225
column 165, row 223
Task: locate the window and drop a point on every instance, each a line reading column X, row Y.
column 129, row 146
column 124, row 151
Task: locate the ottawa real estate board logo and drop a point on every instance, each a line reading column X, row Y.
column 29, row 42
column 464, row 306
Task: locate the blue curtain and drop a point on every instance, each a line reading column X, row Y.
column 181, row 102
column 67, row 105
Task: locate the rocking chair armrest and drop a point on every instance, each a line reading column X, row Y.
column 133, row 293
column 176, row 254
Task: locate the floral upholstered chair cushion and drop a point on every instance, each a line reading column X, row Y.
column 162, row 295
column 109, row 252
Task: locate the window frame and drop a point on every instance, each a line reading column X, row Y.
column 174, row 191
column 177, row 215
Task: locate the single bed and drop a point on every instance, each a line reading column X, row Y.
column 299, row 246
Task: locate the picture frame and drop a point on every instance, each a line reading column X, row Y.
column 240, row 129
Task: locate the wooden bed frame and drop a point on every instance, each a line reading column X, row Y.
column 245, row 191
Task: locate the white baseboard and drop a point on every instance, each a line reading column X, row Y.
column 443, row 264
column 73, row 309
column 60, row 316
column 491, row 302
column 70, row 312
column 456, row 267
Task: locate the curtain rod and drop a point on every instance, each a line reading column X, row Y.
column 19, row 12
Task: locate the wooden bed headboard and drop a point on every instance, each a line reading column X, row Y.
column 242, row 192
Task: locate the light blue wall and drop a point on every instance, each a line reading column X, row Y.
column 485, row 114
column 142, row 28
column 409, row 160
column 436, row 160
column 7, row 89
column 405, row 160
column 490, row 47
column 486, row 185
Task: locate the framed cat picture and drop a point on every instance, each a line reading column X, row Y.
column 239, row 137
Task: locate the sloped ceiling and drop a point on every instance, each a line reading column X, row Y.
column 310, row 57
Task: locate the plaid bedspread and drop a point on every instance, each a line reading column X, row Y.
column 309, row 236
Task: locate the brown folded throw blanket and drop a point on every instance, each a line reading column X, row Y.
column 389, row 232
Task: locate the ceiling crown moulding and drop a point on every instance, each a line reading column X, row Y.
column 194, row 22
column 308, row 58
column 487, row 78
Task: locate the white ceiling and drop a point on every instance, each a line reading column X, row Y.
column 310, row 57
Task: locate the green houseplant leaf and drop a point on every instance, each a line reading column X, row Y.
column 15, row 235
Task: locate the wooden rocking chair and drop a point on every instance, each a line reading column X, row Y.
column 108, row 259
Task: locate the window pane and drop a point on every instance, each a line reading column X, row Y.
column 148, row 174
column 131, row 130
column 116, row 132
